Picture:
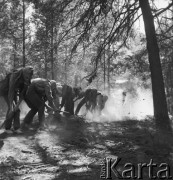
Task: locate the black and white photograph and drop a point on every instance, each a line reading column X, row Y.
column 86, row 89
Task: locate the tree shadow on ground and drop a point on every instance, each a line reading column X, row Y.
column 71, row 148
column 134, row 142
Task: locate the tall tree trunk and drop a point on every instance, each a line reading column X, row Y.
column 45, row 64
column 108, row 70
column 104, row 67
column 45, row 51
column 52, row 48
column 104, row 55
column 14, row 52
column 76, row 80
column 159, row 98
column 24, row 58
column 66, row 63
column 56, row 60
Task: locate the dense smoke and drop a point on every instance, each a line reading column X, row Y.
column 127, row 100
column 133, row 107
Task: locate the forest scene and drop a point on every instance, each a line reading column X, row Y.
column 86, row 89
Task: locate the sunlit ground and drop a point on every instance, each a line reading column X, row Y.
column 73, row 148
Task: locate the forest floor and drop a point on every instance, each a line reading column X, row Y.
column 74, row 149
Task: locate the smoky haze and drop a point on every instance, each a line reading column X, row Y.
column 136, row 104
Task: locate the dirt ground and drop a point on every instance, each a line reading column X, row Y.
column 74, row 149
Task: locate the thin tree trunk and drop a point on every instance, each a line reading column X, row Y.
column 108, row 70
column 104, row 55
column 24, row 58
column 52, row 35
column 104, row 69
column 14, row 53
column 65, row 70
column 45, row 52
column 45, row 64
column 56, row 33
column 171, row 85
column 76, row 80
column 159, row 98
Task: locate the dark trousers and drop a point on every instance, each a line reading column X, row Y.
column 82, row 102
column 67, row 100
column 69, row 106
column 14, row 119
column 37, row 104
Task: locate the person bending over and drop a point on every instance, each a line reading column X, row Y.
column 40, row 91
column 68, row 95
column 89, row 99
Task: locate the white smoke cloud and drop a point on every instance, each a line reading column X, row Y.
column 137, row 104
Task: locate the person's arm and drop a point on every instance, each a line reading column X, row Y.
column 49, row 96
column 81, row 95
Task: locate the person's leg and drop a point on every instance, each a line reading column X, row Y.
column 93, row 99
column 88, row 106
column 8, row 105
column 30, row 115
column 82, row 102
column 72, row 107
column 56, row 100
column 41, row 115
column 8, row 121
column 68, row 101
column 69, row 106
column 9, row 117
column 35, row 102
column 16, row 122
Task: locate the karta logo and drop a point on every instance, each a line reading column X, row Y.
column 111, row 167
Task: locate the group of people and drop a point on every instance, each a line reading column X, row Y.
column 19, row 85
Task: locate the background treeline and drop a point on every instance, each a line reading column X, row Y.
column 58, row 47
